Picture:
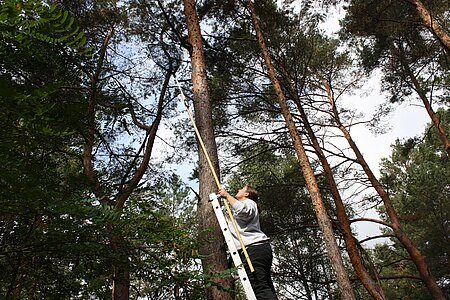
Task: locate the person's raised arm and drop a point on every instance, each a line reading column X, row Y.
column 228, row 196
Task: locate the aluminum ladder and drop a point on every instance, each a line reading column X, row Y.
column 232, row 247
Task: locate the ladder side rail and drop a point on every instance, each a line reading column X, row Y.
column 232, row 247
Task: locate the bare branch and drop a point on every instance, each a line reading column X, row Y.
column 371, row 220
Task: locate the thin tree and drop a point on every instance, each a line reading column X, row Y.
column 412, row 249
column 131, row 180
column 213, row 250
column 372, row 285
column 420, row 91
column 343, row 280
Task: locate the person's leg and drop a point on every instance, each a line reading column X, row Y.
column 260, row 279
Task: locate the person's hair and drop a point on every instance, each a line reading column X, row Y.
column 252, row 193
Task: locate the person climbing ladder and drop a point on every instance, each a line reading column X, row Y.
column 246, row 216
column 260, row 279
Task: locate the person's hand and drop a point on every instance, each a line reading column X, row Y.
column 226, row 195
column 223, row 192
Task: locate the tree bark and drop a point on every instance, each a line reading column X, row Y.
column 432, row 24
column 371, row 285
column 331, row 245
column 121, row 283
column 413, row 251
column 213, row 250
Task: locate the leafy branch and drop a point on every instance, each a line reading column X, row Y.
column 21, row 23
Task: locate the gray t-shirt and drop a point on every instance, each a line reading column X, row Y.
column 245, row 212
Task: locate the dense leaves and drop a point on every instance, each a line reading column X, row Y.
column 55, row 234
column 22, row 23
column 60, row 238
column 389, row 34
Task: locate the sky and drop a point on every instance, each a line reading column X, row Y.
column 405, row 121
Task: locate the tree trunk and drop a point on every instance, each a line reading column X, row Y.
column 434, row 118
column 413, row 251
column 371, row 285
column 422, row 95
column 432, row 24
column 213, row 250
column 121, row 283
column 331, row 245
column 121, row 277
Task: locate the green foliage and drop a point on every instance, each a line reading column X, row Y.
column 389, row 34
column 160, row 227
column 49, row 245
column 55, row 237
column 24, row 22
column 44, row 238
column 417, row 176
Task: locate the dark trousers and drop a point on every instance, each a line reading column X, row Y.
column 261, row 281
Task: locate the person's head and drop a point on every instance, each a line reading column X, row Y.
column 247, row 192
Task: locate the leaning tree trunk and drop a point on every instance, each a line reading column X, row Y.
column 432, row 24
column 371, row 285
column 412, row 250
column 422, row 95
column 434, row 117
column 331, row 245
column 213, row 249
